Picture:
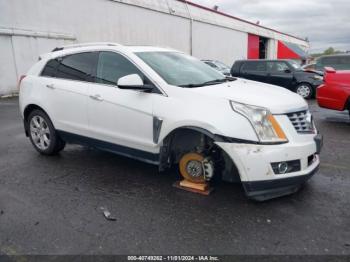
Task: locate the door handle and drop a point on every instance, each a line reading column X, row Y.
column 51, row 86
column 96, row 97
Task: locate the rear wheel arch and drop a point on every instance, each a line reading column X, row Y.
column 42, row 132
column 28, row 109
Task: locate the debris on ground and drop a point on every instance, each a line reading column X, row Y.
column 2, row 212
column 108, row 214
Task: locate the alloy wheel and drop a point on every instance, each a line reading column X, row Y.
column 304, row 91
column 40, row 132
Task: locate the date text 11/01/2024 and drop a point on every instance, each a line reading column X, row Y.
column 173, row 258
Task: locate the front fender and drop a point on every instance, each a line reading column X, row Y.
column 203, row 128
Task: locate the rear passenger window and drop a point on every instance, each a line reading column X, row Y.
column 254, row 66
column 277, row 66
column 77, row 67
column 112, row 66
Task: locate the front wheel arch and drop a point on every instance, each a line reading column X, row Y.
column 170, row 155
column 169, row 141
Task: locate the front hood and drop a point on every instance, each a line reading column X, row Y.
column 277, row 99
column 309, row 72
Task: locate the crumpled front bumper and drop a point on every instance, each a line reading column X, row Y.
column 253, row 162
column 268, row 189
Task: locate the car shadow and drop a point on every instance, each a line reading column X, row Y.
column 108, row 175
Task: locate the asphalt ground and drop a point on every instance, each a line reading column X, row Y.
column 52, row 205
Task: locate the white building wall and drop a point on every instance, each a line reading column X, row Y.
column 18, row 54
column 219, row 43
column 29, row 28
column 272, row 47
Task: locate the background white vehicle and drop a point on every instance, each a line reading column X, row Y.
column 219, row 66
column 164, row 107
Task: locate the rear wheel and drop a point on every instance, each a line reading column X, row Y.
column 42, row 133
column 305, row 90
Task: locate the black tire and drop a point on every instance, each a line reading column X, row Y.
column 305, row 90
column 52, row 144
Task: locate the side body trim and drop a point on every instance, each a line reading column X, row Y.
column 110, row 147
column 157, row 126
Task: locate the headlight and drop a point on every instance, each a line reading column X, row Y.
column 263, row 122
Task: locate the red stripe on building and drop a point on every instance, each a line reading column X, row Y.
column 284, row 52
column 253, row 47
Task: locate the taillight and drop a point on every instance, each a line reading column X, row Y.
column 20, row 80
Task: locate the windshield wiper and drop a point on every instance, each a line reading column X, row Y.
column 215, row 81
column 211, row 82
column 191, row 85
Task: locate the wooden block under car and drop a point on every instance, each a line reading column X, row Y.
column 202, row 189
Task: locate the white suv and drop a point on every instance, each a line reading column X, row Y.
column 164, row 107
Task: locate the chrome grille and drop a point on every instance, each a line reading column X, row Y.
column 302, row 121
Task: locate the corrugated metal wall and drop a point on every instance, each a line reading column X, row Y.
column 29, row 28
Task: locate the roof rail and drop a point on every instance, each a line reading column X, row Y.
column 84, row 45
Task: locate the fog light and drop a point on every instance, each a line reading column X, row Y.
column 282, row 167
column 285, row 167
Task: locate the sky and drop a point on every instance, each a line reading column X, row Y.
column 324, row 23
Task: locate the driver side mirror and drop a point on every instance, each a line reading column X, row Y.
column 133, row 82
column 287, row 71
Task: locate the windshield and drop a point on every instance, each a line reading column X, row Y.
column 181, row 70
column 294, row 64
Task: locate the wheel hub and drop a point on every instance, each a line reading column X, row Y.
column 303, row 90
column 194, row 168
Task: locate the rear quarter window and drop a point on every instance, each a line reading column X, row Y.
column 50, row 68
column 81, row 66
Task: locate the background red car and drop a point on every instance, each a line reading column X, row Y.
column 334, row 93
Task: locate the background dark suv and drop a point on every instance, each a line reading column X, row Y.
column 338, row 62
column 285, row 73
